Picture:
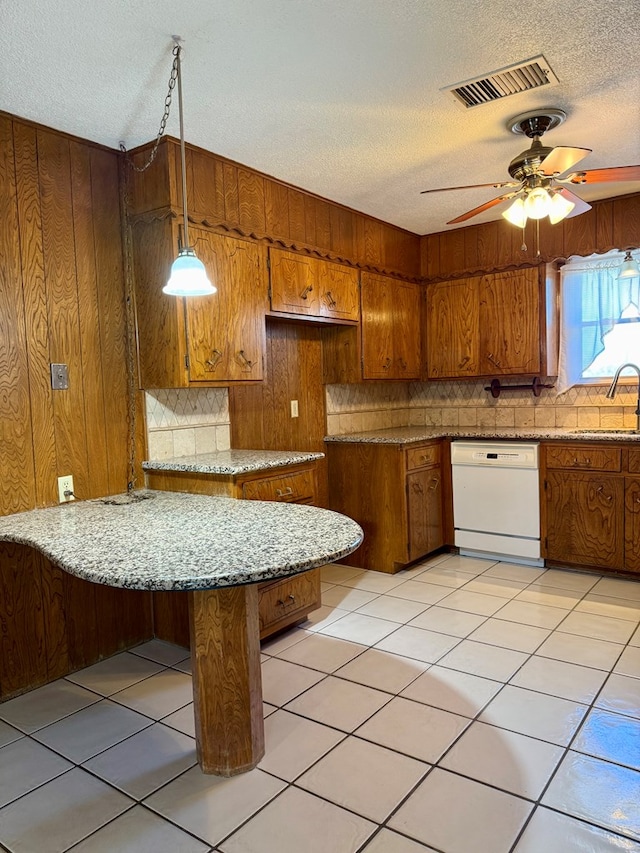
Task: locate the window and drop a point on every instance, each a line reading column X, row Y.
column 599, row 320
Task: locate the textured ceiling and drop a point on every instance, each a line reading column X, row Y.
column 340, row 97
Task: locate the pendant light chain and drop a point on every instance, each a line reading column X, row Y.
column 165, row 116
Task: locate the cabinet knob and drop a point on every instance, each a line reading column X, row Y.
column 306, row 291
column 214, row 361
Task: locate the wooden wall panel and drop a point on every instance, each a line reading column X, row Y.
column 626, row 222
column 231, row 199
column 580, row 234
column 276, row 210
column 251, row 200
column 297, row 231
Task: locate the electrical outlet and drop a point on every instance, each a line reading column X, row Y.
column 65, row 489
column 294, row 408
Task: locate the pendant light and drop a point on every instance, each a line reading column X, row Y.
column 629, row 268
column 188, row 275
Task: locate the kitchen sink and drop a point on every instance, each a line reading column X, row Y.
column 604, row 430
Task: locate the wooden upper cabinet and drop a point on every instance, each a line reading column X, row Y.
column 487, row 325
column 210, row 340
column 313, row 287
column 390, row 328
column 452, row 326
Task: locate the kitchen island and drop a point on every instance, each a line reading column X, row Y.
column 216, row 549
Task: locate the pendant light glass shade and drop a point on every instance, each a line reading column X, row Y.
column 516, row 214
column 629, row 268
column 559, row 208
column 188, row 276
column 537, row 202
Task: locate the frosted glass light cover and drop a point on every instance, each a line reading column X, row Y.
column 559, row 208
column 537, row 203
column 188, row 277
column 516, row 214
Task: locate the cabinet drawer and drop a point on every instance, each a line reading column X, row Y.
column 287, row 487
column 280, row 600
column 587, row 458
column 634, row 461
column 420, row 457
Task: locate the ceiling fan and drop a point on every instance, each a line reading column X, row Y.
column 540, row 190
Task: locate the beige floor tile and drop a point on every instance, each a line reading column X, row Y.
column 322, row 652
column 346, row 598
column 618, row 588
column 293, row 743
column 91, row 730
column 359, row 628
column 212, row 807
column 538, row 715
column 336, row 573
column 183, row 666
column 620, row 694
column 604, row 605
column 502, row 587
column 325, row 586
column 338, row 703
column 597, row 627
column 141, row 831
column 515, row 572
column 394, row 609
column 161, row 652
column 484, row 660
column 584, row 651
column 390, row 842
column 319, row 827
column 427, row 646
column 473, row 602
column 597, row 791
column 509, row 635
column 59, row 814
column 373, row 582
column 416, row 730
column 613, row 737
column 146, row 761
column 471, row 565
column 323, row 616
column 420, row 591
column 567, row 680
column 8, row 734
column 550, row 596
column 629, row 663
column 25, row 764
column 159, row 695
column 281, row 680
column 551, row 832
column 115, row 673
column 458, row 692
column 46, row 705
column 445, row 577
column 456, row 623
column 565, row 579
column 513, row 762
column 635, row 640
column 282, row 641
column 526, row 613
column 382, row 670
column 489, row 823
column 182, row 720
column 364, row 778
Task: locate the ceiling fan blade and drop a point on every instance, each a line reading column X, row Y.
column 481, row 209
column 496, row 186
column 561, row 159
column 581, row 205
column 597, row 176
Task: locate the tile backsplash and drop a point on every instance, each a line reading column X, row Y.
column 184, row 421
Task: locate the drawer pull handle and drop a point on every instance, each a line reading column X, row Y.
column 493, row 359
column 284, row 494
column 289, row 600
column 330, row 300
column 464, row 361
column 306, row 291
column 417, row 488
column 436, row 482
column 402, row 363
column 386, row 364
column 578, row 464
column 248, row 365
column 600, row 491
column 214, row 361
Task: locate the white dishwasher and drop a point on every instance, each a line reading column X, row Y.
column 496, row 500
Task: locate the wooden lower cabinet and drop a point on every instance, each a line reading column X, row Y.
column 395, row 492
column 590, row 506
column 281, row 603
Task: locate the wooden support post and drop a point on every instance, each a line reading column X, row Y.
column 227, row 682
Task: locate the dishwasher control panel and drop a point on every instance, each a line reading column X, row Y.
column 503, row 455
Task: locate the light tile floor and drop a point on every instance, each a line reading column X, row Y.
column 460, row 706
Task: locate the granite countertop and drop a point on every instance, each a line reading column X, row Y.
column 178, row 541
column 232, row 461
column 412, row 435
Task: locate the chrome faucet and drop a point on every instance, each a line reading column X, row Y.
column 611, row 393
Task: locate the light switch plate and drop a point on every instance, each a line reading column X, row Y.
column 59, row 377
column 294, row 408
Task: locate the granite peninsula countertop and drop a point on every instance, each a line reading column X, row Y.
column 178, row 541
column 412, row 435
column 232, row 461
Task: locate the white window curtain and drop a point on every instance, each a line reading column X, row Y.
column 591, row 302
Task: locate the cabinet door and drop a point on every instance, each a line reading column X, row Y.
column 377, row 327
column 452, row 328
column 405, row 312
column 585, row 519
column 424, row 503
column 338, row 291
column 632, row 525
column 510, row 332
column 294, row 285
column 226, row 331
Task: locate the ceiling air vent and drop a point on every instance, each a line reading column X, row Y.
column 522, row 77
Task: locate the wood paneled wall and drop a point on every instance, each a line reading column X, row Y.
column 261, row 414
column 62, row 299
column 228, row 196
column 610, row 224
